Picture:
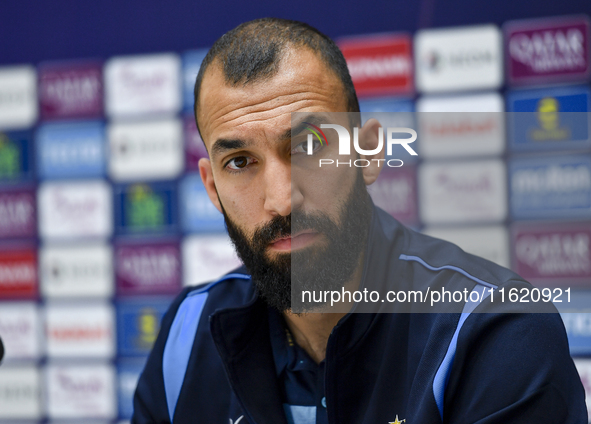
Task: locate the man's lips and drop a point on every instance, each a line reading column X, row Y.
column 294, row 242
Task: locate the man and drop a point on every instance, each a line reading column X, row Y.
column 234, row 351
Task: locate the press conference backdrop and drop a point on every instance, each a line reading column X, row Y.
column 103, row 216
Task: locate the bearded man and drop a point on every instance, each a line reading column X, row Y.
column 236, row 350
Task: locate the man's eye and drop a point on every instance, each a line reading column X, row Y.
column 239, row 163
column 303, row 147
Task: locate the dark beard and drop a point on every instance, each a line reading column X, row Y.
column 326, row 267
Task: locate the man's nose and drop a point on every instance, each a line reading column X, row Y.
column 277, row 180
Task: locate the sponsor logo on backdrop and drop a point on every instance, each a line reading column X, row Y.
column 80, row 330
column 584, row 369
column 20, row 393
column 18, row 273
column 194, row 147
column 138, row 323
column 142, row 85
column 553, row 254
column 380, row 64
column 578, row 330
column 71, row 90
column 71, row 150
column 81, row 391
column 496, row 248
column 459, row 58
column 76, row 271
column 144, row 268
column 553, row 118
column 461, row 126
column 19, row 328
column 75, row 209
column 396, row 193
column 18, row 97
column 550, row 187
column 191, row 64
column 128, row 373
column 462, row 192
column 548, row 50
column 207, row 257
column 17, row 213
column 198, row 214
column 146, row 208
column 10, row 158
column 317, row 135
column 15, row 152
column 146, row 150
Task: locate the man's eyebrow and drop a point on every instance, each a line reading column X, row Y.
column 222, row 145
column 313, row 119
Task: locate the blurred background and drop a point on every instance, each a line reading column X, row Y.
column 103, row 217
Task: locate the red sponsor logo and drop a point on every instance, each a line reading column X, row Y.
column 464, row 127
column 481, row 184
column 380, row 65
column 18, row 273
column 68, row 334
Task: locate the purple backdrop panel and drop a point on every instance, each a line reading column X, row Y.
column 17, row 213
column 194, row 147
column 147, row 267
column 548, row 50
column 553, row 254
column 69, row 90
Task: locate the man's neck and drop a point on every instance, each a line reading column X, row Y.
column 312, row 330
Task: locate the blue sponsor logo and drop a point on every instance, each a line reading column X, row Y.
column 138, row 323
column 15, row 156
column 144, row 208
column 578, row 330
column 550, row 187
column 75, row 150
column 198, row 214
column 191, row 64
column 549, row 119
column 128, row 374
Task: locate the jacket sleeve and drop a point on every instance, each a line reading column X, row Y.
column 514, row 368
column 149, row 401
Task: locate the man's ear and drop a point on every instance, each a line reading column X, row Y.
column 207, row 178
column 369, row 140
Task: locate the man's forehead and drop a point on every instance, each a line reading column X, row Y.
column 303, row 82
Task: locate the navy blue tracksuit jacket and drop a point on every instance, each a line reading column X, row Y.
column 213, row 362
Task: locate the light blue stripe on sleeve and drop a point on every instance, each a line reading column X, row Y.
column 178, row 347
column 442, row 375
column 450, row 267
column 179, row 343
